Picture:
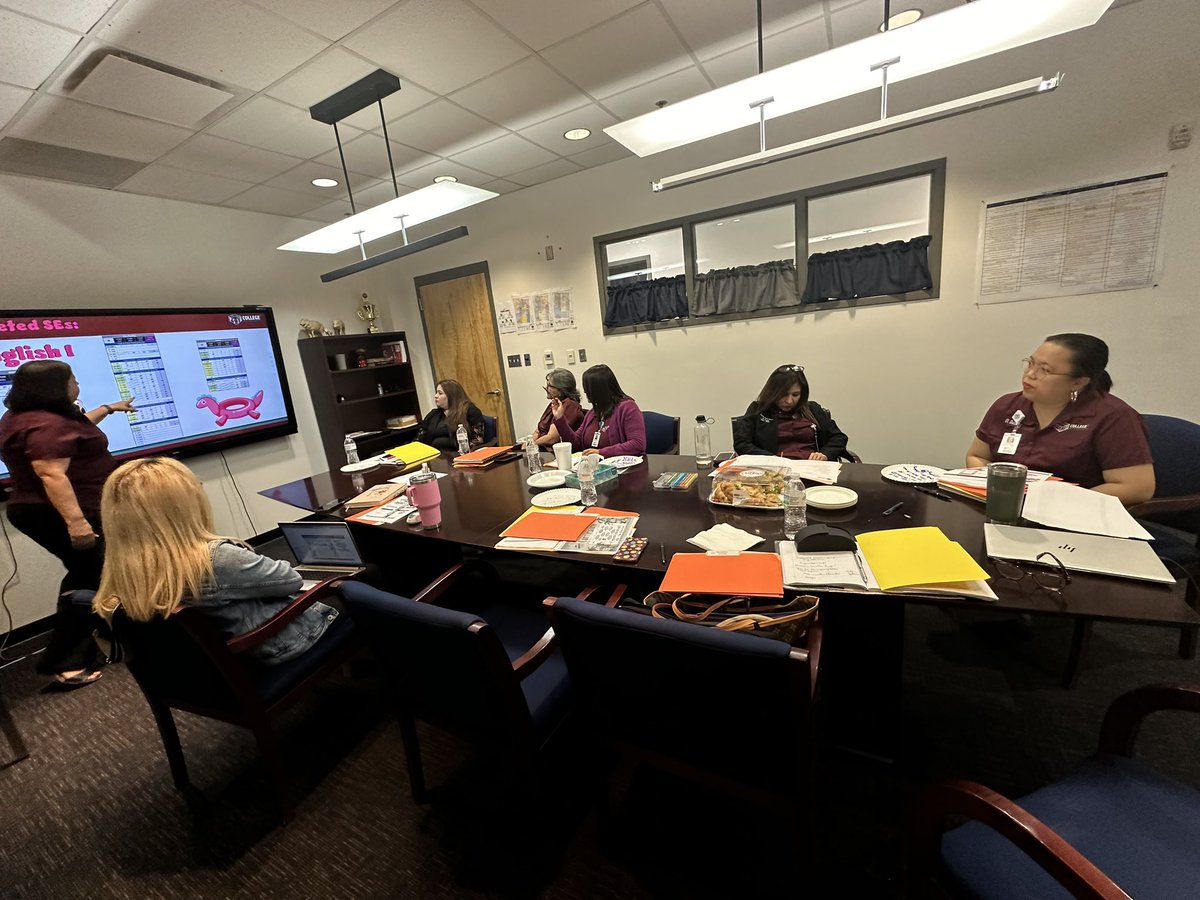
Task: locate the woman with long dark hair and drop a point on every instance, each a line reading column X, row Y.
column 614, row 426
column 452, row 407
column 1065, row 421
column 58, row 459
column 783, row 421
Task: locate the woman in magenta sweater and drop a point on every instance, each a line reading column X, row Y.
column 613, row 426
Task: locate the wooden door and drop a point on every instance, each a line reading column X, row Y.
column 460, row 326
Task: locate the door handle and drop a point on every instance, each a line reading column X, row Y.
column 493, row 393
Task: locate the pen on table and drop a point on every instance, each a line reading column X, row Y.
column 861, row 570
column 931, row 492
column 891, row 509
column 662, row 553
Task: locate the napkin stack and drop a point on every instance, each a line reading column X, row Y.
column 725, row 538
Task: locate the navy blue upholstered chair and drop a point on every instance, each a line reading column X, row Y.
column 1112, row 828
column 731, row 711
column 489, row 430
column 491, row 672
column 185, row 662
column 662, row 433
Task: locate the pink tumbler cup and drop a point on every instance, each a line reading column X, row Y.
column 423, row 493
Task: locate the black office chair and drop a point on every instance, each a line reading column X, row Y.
column 1112, row 828
column 847, row 454
column 662, row 433
column 732, row 711
column 489, row 430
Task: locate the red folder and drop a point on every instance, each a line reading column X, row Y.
column 752, row 574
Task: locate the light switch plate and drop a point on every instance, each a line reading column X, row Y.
column 514, row 361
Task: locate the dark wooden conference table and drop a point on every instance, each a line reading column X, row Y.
column 863, row 651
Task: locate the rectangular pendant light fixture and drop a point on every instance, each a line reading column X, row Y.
column 443, row 237
column 965, row 33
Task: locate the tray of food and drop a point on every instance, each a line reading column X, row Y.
column 753, row 487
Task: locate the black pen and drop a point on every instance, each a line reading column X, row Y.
column 931, row 492
column 662, row 553
column 891, row 509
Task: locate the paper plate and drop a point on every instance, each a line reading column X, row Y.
column 559, row 497
column 624, row 462
column 365, row 466
column 546, row 479
column 830, row 496
column 912, row 473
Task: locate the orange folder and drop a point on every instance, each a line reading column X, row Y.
column 549, row 527
column 610, row 513
column 482, row 455
column 753, row 574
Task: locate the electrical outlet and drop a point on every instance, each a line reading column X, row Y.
column 514, row 361
column 582, row 355
column 528, row 360
column 549, row 358
column 570, row 357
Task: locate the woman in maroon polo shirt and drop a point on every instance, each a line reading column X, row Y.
column 59, row 460
column 560, row 385
column 1065, row 421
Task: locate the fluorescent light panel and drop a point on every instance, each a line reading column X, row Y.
column 965, row 33
column 370, row 262
column 835, row 139
column 379, row 221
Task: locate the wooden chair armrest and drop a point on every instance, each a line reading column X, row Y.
column 612, row 601
column 434, row 591
column 1159, row 505
column 1124, row 716
column 284, row 617
column 527, row 663
column 967, row 799
column 816, row 634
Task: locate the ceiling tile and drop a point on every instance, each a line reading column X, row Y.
column 225, row 40
column 29, row 50
column 272, row 200
column 504, row 156
column 367, row 155
column 601, row 155
column 128, row 86
column 500, row 186
column 779, row 49
column 642, row 99
column 549, row 134
column 217, row 156
column 158, row 180
column 78, row 15
column 856, row 22
column 333, row 20
column 725, row 26
column 521, row 95
column 320, row 77
column 439, row 44
column 548, row 172
column 620, row 54
column 330, row 212
column 300, row 179
column 369, row 195
column 54, row 120
column 11, row 99
column 443, row 128
column 267, row 123
column 423, row 176
column 408, row 99
column 540, row 23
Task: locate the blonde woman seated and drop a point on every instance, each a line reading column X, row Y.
column 162, row 554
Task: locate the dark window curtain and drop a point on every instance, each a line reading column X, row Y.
column 746, row 288
column 646, row 301
column 871, row 271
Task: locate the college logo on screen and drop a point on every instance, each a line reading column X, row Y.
column 239, row 318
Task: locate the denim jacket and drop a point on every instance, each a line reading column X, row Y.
column 247, row 589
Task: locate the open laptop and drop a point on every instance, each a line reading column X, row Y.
column 322, row 550
column 1094, row 553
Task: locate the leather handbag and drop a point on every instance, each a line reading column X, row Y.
column 783, row 620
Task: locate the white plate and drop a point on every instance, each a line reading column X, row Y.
column 830, row 496
column 624, row 462
column 365, row 466
column 912, row 473
column 546, row 479
column 560, row 497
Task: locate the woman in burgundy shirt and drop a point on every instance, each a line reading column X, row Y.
column 560, row 385
column 784, row 422
column 1065, row 421
column 58, row 460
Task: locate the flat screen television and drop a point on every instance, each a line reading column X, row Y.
column 202, row 379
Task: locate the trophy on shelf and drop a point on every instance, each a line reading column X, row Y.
column 366, row 312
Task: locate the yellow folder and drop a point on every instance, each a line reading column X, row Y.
column 413, row 453
column 901, row 557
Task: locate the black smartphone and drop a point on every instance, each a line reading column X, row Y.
column 723, row 456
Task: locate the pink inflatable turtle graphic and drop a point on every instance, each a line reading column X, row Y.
column 231, row 407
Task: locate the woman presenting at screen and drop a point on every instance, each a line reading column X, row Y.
column 782, row 421
column 1065, row 421
column 614, row 426
column 59, row 461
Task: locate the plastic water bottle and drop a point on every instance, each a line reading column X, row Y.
column 587, row 489
column 703, row 442
column 795, row 508
column 464, row 445
column 351, row 449
column 533, row 456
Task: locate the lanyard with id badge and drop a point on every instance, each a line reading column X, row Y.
column 1008, row 443
column 596, row 436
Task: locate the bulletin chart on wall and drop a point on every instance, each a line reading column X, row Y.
column 1080, row 240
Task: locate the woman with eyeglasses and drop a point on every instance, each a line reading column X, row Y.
column 784, row 422
column 614, row 426
column 560, row 385
column 1065, row 421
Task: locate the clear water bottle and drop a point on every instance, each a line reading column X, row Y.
column 795, row 508
column 464, row 445
column 587, row 489
column 703, row 442
column 533, row 456
column 351, row 449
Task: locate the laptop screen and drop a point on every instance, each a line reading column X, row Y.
column 321, row 543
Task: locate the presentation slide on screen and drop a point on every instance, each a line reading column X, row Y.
column 192, row 376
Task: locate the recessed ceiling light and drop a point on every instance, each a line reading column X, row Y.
column 900, row 19
column 577, row 134
column 324, row 182
column 443, row 178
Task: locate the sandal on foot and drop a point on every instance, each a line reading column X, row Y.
column 79, row 679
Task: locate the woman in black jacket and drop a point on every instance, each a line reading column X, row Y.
column 784, row 422
column 452, row 408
